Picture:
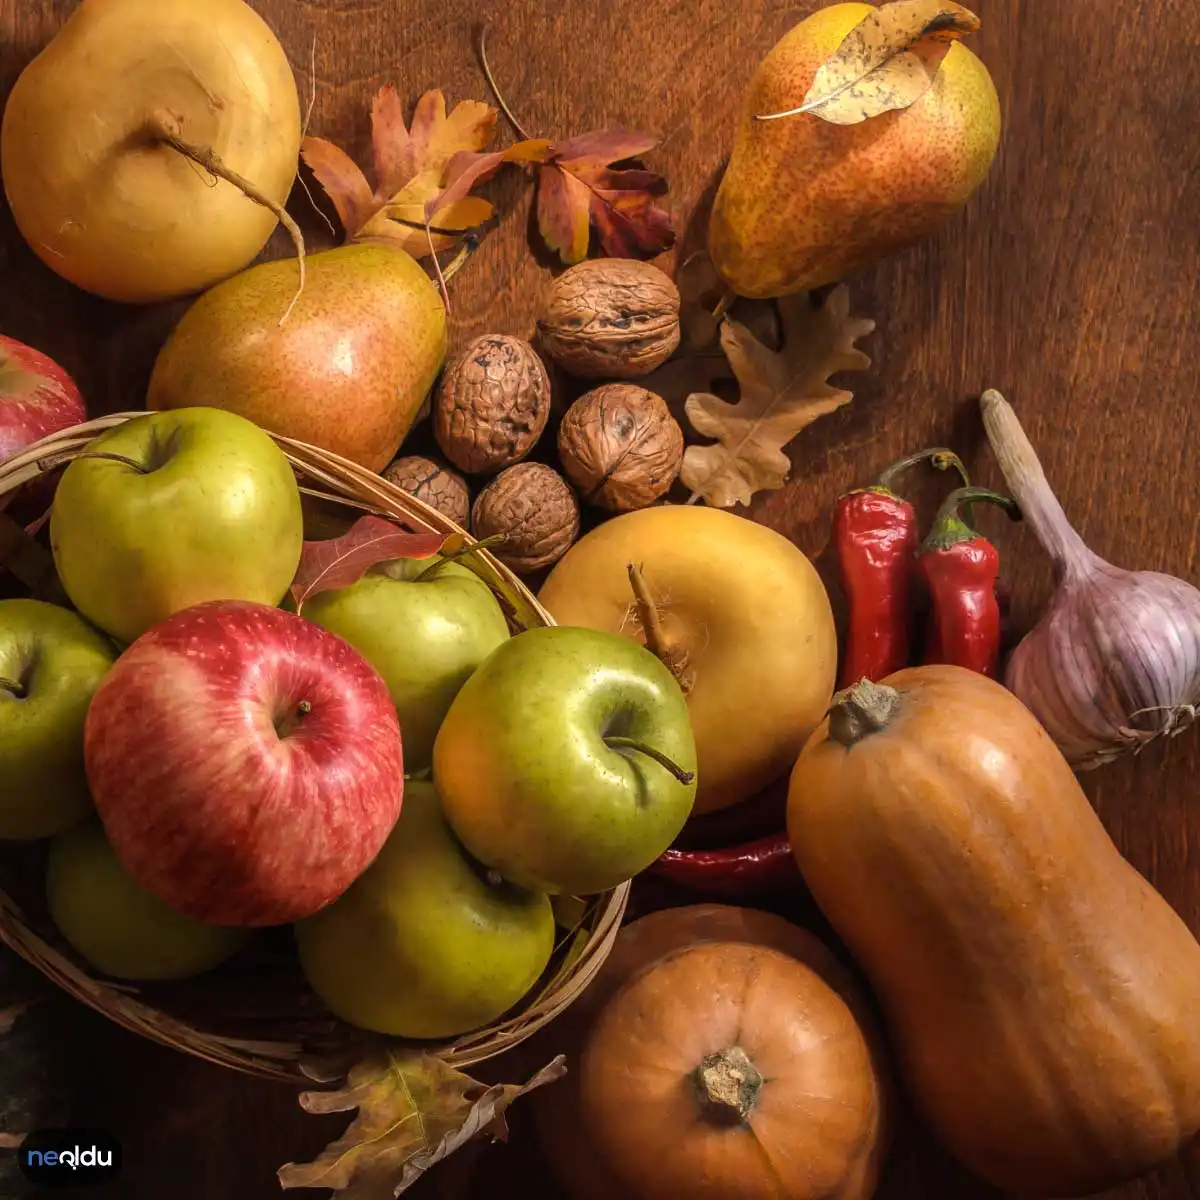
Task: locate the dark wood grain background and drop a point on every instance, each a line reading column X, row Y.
column 1069, row 283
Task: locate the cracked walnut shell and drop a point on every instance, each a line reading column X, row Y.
column 611, row 318
column 535, row 509
column 492, row 404
column 435, row 484
column 620, row 446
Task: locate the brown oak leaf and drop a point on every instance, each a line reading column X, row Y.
column 782, row 392
column 887, row 61
column 410, row 164
column 581, row 190
column 339, row 562
column 413, row 1111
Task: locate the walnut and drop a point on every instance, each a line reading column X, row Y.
column 534, row 507
column 492, row 404
column 613, row 318
column 434, row 483
column 620, row 446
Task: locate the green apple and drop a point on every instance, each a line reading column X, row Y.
column 51, row 661
column 123, row 930
column 172, row 509
column 567, row 761
column 426, row 943
column 424, row 625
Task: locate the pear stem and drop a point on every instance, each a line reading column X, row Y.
column 14, row 686
column 140, row 468
column 162, row 130
column 624, row 743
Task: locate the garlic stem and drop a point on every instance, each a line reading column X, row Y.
column 1028, row 484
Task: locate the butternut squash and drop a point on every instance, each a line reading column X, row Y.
column 1043, row 1000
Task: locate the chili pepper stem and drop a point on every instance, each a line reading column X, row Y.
column 949, row 527
column 940, row 457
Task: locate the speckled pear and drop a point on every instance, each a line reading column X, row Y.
column 349, row 368
column 804, row 202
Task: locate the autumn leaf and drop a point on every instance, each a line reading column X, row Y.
column 581, row 192
column 886, row 62
column 782, row 392
column 339, row 562
column 412, row 1112
column 410, row 164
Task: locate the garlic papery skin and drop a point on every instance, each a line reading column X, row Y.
column 1115, row 661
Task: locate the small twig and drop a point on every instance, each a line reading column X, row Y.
column 312, row 103
column 491, row 82
column 204, row 156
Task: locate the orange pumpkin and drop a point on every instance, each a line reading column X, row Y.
column 565, row 1133
column 1043, row 999
column 732, row 1071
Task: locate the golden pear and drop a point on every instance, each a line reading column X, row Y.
column 805, row 202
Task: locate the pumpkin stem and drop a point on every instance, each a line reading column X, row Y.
column 727, row 1085
column 860, row 710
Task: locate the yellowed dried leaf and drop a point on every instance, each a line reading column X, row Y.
column 782, row 392
column 413, row 1111
column 886, row 62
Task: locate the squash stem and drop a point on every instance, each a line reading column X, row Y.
column 727, row 1086
column 862, row 709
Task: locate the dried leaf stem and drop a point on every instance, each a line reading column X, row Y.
column 160, row 128
column 518, row 129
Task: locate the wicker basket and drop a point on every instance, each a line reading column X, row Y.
column 256, row 1013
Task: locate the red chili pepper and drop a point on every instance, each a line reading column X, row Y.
column 875, row 533
column 960, row 568
column 761, row 868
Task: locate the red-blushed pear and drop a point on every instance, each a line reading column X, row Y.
column 246, row 764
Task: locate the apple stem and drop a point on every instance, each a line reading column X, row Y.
column 624, row 743
column 658, row 641
column 121, row 458
column 304, row 707
column 461, row 552
column 14, row 686
column 161, row 129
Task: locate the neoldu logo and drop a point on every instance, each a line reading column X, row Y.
column 69, row 1157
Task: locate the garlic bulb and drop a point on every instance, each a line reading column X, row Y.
column 1115, row 661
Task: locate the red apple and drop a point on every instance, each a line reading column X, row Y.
column 246, row 764
column 37, row 398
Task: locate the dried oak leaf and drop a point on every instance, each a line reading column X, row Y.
column 413, row 1111
column 339, row 562
column 410, row 165
column 581, row 189
column 887, row 61
column 782, row 392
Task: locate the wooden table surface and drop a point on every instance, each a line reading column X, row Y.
column 1069, row 283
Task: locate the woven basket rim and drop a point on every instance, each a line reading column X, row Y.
column 353, row 485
